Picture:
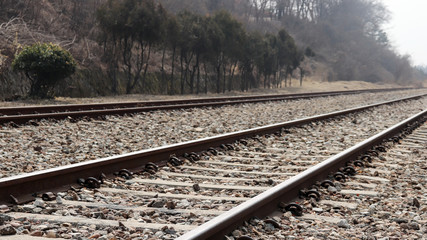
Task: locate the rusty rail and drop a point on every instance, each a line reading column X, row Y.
column 24, row 114
column 268, row 201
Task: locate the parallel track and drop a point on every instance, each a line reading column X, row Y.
column 24, row 114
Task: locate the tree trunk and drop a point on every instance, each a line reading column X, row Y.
column 164, row 82
column 182, row 75
column 198, row 76
column 206, row 78
column 301, row 76
column 144, row 77
column 286, row 80
column 218, row 78
column 172, row 87
column 224, row 76
column 231, row 76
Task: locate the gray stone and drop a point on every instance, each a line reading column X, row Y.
column 159, row 234
column 99, row 215
column 7, row 230
column 343, row 224
column 414, row 225
column 236, row 233
column 332, row 189
column 338, row 186
column 28, row 208
column 39, row 203
column 59, row 199
column 37, row 210
column 269, row 227
column 4, row 218
column 158, row 203
column 318, row 210
column 400, row 220
column 184, row 203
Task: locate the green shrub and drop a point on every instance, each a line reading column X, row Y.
column 44, row 64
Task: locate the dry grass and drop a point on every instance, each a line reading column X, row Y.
column 309, row 85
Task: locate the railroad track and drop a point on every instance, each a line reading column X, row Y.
column 19, row 115
column 382, row 194
column 179, row 197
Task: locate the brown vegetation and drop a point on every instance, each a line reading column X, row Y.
column 346, row 37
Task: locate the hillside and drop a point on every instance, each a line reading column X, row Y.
column 354, row 49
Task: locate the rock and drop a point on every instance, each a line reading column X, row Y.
column 199, row 129
column 332, row 189
column 236, row 233
column 184, row 203
column 170, row 205
column 37, row 210
column 372, row 209
column 404, row 226
column 385, row 215
column 338, row 186
column 414, row 226
column 318, row 210
column 400, row 220
column 95, row 236
column 196, row 187
column 99, row 215
column 158, row 203
column 42, row 227
column 51, row 234
column 169, row 230
column 66, row 225
column 416, row 203
column 4, row 218
column 7, row 230
column 59, row 200
column 15, row 224
column 38, row 148
column 159, row 234
column 75, row 196
column 4, row 208
column 287, row 215
column 269, row 227
column 39, row 203
column 343, row 224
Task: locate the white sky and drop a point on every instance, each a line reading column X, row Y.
column 407, row 29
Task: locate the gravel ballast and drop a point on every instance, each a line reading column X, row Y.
column 57, row 143
column 305, row 142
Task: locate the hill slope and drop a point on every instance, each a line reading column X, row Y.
column 345, row 35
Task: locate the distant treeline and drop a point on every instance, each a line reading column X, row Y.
column 198, row 53
column 348, row 36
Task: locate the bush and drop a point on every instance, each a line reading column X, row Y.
column 44, row 64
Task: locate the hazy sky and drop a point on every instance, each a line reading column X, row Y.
column 408, row 28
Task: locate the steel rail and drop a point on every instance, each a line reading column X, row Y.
column 38, row 110
column 22, row 187
column 268, row 201
column 121, row 111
